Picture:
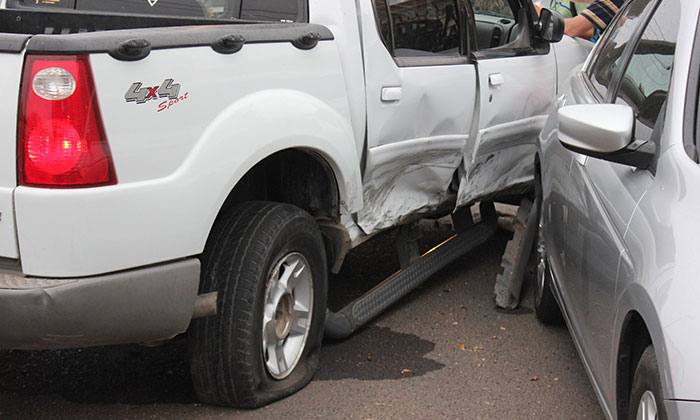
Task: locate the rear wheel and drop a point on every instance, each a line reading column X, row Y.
column 646, row 398
column 267, row 263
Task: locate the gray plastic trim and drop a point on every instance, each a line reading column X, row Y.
column 174, row 37
column 137, row 306
column 13, row 43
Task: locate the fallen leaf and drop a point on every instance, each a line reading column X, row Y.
column 534, row 378
column 504, row 329
column 461, row 347
column 405, row 371
column 455, row 323
column 556, row 379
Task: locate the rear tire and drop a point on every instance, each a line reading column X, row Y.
column 647, row 398
column 268, row 264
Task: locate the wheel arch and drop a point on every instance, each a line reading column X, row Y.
column 304, row 144
column 638, row 328
column 305, row 179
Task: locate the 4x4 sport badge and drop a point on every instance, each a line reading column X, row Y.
column 142, row 94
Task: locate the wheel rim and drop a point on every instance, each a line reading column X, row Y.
column 647, row 407
column 287, row 314
column 541, row 262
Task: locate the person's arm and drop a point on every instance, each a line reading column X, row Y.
column 579, row 26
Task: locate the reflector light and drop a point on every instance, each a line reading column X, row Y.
column 61, row 138
column 53, row 83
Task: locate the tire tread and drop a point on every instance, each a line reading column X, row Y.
column 223, row 366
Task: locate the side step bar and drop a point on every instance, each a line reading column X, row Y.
column 343, row 323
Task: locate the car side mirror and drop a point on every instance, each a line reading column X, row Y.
column 550, row 26
column 604, row 131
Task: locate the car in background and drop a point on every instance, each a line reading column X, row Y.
column 618, row 184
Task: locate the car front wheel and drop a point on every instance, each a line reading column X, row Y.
column 646, row 398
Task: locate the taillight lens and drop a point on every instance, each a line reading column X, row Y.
column 61, row 138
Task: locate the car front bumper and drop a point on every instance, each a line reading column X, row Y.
column 135, row 306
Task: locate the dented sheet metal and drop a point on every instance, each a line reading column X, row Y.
column 502, row 160
column 408, row 178
column 136, row 306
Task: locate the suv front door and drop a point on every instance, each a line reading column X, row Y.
column 517, row 76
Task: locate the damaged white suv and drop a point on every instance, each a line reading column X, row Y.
column 167, row 160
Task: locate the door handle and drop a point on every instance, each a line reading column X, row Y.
column 495, row 79
column 391, row 94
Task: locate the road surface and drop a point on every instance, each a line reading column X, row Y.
column 444, row 352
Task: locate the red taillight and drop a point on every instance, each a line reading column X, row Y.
column 61, row 138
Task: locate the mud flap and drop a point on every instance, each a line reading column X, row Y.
column 518, row 250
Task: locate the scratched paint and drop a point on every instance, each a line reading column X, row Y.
column 408, row 179
column 501, row 161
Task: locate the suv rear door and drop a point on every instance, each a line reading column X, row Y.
column 421, row 89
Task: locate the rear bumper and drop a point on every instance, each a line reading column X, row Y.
column 135, row 306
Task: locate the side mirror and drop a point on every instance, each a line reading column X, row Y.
column 604, row 131
column 550, row 27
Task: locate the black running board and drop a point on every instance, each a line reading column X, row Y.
column 343, row 323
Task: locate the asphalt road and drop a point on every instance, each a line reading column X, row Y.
column 444, row 352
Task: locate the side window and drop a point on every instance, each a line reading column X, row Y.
column 499, row 8
column 382, row 11
column 610, row 56
column 496, row 24
column 645, row 83
column 422, row 27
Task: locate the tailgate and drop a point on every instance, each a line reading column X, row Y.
column 10, row 73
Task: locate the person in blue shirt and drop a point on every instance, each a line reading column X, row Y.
column 594, row 19
column 568, row 8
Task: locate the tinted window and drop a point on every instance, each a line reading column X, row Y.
column 268, row 10
column 610, row 56
column 495, row 23
column 161, row 7
column 278, row 10
column 382, row 13
column 421, row 26
column 644, row 85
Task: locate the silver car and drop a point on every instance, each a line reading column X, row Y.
column 619, row 185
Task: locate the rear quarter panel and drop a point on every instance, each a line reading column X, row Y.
column 10, row 75
column 176, row 162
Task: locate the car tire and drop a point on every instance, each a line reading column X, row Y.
column 546, row 307
column 646, row 397
column 268, row 264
